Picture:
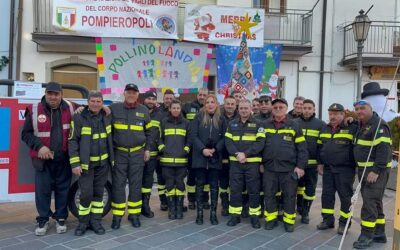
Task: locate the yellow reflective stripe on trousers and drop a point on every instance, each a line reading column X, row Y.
column 270, row 216
column 96, row 210
column 86, row 131
column 249, row 159
column 312, row 161
column 380, row 221
column 289, row 218
column 255, row 211
column 327, row 211
column 345, row 215
column 309, row 198
column 118, row 212
column 179, row 192
column 97, row 203
column 206, row 188
column 130, row 150
column 146, row 190
column 369, row 224
column 235, row 210
column 97, row 136
column 190, row 189
column 173, row 160
column 299, row 139
column 171, row 192
column 99, row 158
column 118, row 205
column 134, row 210
column 83, row 210
column 75, row 159
column 134, row 203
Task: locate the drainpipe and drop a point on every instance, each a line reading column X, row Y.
column 11, row 44
column 322, row 63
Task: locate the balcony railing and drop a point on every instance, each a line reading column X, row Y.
column 379, row 43
column 294, row 27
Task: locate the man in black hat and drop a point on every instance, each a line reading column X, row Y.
column 337, row 169
column 150, row 101
column 376, row 96
column 132, row 140
column 284, row 158
column 46, row 132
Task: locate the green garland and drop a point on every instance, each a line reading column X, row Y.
column 3, row 62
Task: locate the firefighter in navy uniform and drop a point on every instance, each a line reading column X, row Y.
column 372, row 132
column 189, row 111
column 244, row 140
column 229, row 113
column 338, row 170
column 311, row 127
column 91, row 155
column 150, row 100
column 46, row 131
column 174, row 151
column 132, row 140
column 163, row 109
column 284, row 158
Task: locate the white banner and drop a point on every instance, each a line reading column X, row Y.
column 122, row 18
column 216, row 25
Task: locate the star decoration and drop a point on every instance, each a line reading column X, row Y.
column 269, row 53
column 245, row 25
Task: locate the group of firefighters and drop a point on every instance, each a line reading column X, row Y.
column 260, row 159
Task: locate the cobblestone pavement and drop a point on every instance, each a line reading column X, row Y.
column 17, row 225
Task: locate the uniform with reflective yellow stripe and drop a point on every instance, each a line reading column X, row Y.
column 372, row 216
column 90, row 147
column 246, row 137
column 90, row 142
column 285, row 148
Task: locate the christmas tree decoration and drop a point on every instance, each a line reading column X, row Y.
column 245, row 25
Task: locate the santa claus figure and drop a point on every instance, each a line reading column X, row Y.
column 204, row 26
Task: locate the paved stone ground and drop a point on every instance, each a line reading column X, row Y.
column 17, row 226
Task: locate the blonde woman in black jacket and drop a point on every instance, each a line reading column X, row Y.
column 207, row 133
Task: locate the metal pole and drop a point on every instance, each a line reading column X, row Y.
column 360, row 47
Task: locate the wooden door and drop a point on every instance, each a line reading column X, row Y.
column 75, row 74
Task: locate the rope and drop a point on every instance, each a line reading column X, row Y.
column 354, row 198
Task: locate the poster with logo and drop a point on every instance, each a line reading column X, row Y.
column 218, row 24
column 132, row 19
column 151, row 64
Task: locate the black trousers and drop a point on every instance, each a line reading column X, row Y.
column 224, row 178
column 127, row 166
column 160, row 179
column 341, row 182
column 273, row 183
column 244, row 174
column 54, row 176
column 91, row 184
column 372, row 215
column 148, row 175
column 174, row 180
column 191, row 184
column 309, row 182
column 204, row 176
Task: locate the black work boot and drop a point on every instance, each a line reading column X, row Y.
column 81, row 229
column 224, row 204
column 341, row 228
column 255, row 222
column 116, row 222
column 163, row 202
column 380, row 235
column 214, row 202
column 146, row 210
column 134, row 219
column 199, row 194
column 234, row 220
column 206, row 197
column 327, row 222
column 364, row 240
column 192, row 200
column 288, row 227
column 171, row 207
column 179, row 207
column 305, row 219
column 95, row 224
column 269, row 225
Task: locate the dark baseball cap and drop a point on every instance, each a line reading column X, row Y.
column 150, row 93
column 281, row 100
column 336, row 107
column 53, row 87
column 131, row 86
